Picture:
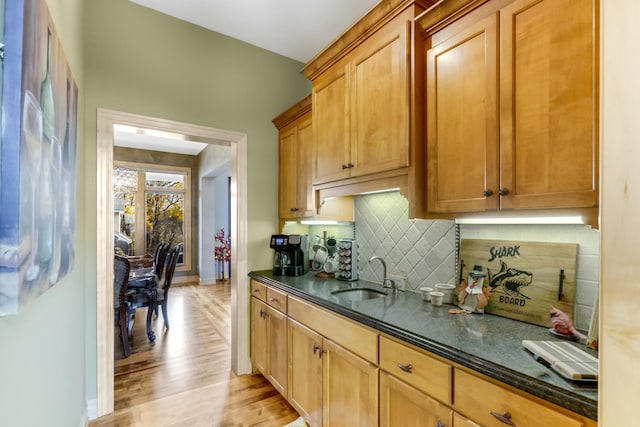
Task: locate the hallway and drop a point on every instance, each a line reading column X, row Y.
column 184, row 378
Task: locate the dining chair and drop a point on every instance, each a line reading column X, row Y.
column 163, row 292
column 159, row 258
column 123, row 310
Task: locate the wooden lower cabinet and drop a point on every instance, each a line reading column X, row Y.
column 278, row 366
column 269, row 343
column 403, row 405
column 305, row 372
column 329, row 385
column 336, row 372
column 484, row 402
column 259, row 335
column 350, row 388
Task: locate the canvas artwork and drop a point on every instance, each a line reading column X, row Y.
column 38, row 157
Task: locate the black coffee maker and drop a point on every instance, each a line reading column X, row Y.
column 291, row 254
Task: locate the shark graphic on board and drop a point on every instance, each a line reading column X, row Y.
column 510, row 280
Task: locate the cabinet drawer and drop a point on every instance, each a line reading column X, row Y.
column 259, row 290
column 356, row 338
column 477, row 399
column 418, row 369
column 277, row 299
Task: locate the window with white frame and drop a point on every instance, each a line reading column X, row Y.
column 152, row 205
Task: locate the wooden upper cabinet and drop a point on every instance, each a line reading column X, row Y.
column 462, row 126
column 331, row 125
column 380, row 100
column 362, row 97
column 548, row 104
column 512, row 106
column 295, row 196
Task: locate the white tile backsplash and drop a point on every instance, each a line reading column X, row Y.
column 424, row 250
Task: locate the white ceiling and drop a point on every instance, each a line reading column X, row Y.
column 297, row 29
column 146, row 139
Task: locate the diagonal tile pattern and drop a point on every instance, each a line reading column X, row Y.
column 422, row 250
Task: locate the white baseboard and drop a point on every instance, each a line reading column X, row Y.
column 207, row 281
column 91, row 411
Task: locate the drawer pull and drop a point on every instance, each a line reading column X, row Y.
column 407, row 368
column 273, row 299
column 256, row 291
column 505, row 418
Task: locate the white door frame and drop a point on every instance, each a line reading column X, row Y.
column 106, row 119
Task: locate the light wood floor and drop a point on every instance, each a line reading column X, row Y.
column 184, row 378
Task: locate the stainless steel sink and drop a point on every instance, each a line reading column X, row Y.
column 358, row 294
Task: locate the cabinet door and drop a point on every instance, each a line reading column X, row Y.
column 462, row 122
column 350, row 388
column 380, row 99
column 278, row 366
column 295, row 169
column 304, row 152
column 288, row 173
column 548, row 104
column 259, row 335
column 305, row 372
column 403, row 405
column 330, row 124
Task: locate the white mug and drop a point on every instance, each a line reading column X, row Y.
column 330, row 265
column 321, row 254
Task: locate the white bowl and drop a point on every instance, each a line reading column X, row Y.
column 447, row 289
column 424, row 291
column 436, row 297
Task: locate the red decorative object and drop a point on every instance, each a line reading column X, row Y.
column 222, row 251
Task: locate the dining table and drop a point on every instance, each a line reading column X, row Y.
column 143, row 281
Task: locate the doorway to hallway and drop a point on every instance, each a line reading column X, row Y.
column 106, row 120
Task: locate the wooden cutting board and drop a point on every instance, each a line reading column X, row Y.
column 524, row 276
column 565, row 358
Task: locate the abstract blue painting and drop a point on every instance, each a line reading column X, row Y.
column 37, row 157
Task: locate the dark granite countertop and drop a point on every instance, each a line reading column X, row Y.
column 488, row 344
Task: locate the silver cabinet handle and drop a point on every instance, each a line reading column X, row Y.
column 273, row 299
column 407, row 368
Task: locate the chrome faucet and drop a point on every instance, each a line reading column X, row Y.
column 386, row 282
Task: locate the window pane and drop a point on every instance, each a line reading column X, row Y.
column 164, row 219
column 125, row 185
column 164, row 180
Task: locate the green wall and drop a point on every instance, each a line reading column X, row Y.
column 143, row 62
column 43, row 348
column 131, row 59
